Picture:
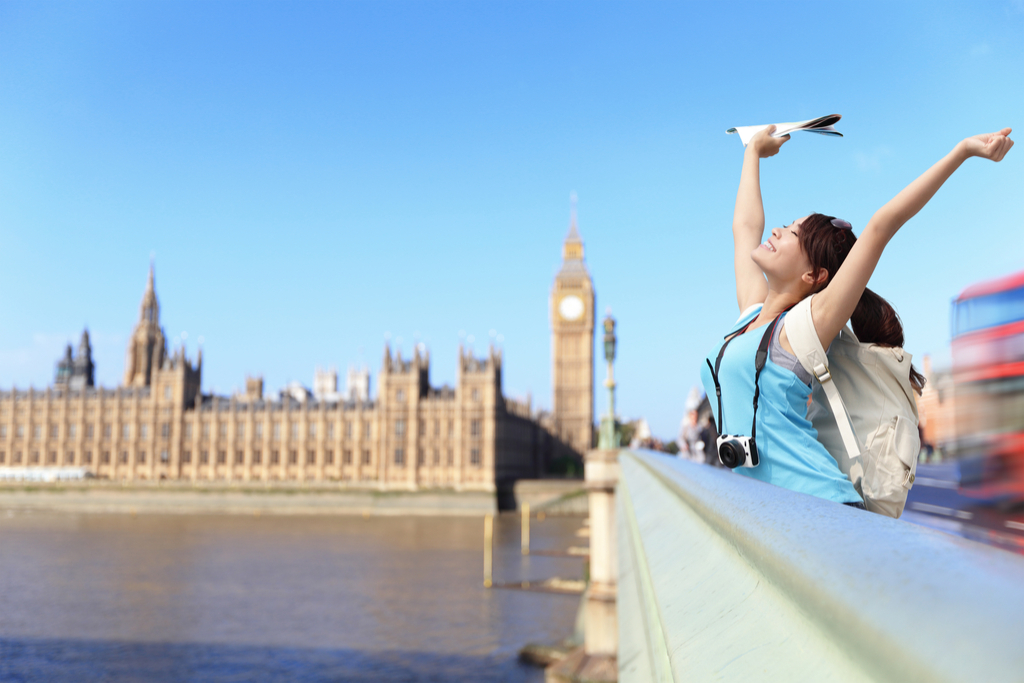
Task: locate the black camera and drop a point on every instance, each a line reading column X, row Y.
column 737, row 451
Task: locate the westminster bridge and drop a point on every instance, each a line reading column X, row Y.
column 701, row 575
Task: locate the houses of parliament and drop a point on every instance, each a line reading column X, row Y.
column 159, row 425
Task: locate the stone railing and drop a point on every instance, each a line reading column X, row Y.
column 724, row 578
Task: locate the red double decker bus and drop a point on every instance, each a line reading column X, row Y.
column 988, row 375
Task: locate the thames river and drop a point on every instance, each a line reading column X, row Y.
column 273, row 598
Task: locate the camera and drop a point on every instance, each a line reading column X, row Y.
column 737, row 451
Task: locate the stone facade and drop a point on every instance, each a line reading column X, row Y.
column 572, row 346
column 159, row 425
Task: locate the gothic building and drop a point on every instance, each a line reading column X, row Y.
column 76, row 372
column 159, row 425
column 572, row 345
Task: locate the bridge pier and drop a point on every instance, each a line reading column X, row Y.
column 597, row 660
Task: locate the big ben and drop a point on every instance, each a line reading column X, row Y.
column 572, row 344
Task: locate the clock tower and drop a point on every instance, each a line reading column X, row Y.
column 572, row 344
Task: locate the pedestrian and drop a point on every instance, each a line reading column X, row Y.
column 766, row 408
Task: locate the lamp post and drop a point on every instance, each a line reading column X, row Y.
column 609, row 435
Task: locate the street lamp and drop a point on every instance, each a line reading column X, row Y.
column 609, row 435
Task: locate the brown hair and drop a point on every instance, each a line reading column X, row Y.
column 874, row 320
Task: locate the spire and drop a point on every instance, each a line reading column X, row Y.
column 572, row 248
column 149, row 311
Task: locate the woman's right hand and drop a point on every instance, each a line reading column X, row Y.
column 764, row 145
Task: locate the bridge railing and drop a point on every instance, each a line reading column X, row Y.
column 721, row 577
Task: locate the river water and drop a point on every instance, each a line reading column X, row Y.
column 231, row 598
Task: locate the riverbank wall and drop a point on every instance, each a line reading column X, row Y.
column 240, row 498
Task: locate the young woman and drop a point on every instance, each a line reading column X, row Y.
column 820, row 255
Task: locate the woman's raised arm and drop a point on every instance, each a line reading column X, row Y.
column 832, row 308
column 748, row 219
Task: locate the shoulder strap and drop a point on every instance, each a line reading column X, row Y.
column 807, row 348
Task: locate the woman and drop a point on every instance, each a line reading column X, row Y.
column 819, row 255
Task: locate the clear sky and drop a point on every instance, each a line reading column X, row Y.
column 314, row 176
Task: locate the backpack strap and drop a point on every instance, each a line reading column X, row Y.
column 807, row 348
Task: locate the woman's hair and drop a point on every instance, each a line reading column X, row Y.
column 874, row 320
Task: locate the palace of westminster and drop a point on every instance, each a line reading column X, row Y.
column 159, row 425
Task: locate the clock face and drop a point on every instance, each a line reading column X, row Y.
column 571, row 307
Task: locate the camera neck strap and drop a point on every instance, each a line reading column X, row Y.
column 760, row 358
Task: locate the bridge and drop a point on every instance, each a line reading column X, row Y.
column 698, row 574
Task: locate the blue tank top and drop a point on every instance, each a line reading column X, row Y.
column 791, row 455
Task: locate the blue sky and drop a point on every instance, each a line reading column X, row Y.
column 314, row 176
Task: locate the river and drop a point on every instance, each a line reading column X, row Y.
column 273, row 598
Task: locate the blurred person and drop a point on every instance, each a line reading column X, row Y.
column 816, row 254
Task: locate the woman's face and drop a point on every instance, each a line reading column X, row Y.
column 781, row 257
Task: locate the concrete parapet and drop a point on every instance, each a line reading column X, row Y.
column 726, row 578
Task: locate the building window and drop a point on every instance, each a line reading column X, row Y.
column 53, row 457
column 328, row 457
column 437, row 457
column 474, row 457
column 259, row 430
column 105, row 457
column 142, row 457
column 206, row 430
column 124, row 457
column 3, row 456
column 164, row 456
column 165, row 430
column 400, row 457
column 312, row 430
column 126, row 431
column 20, row 432
column 35, row 457
column 346, row 456
column 367, row 429
column 257, row 457
column 367, row 458
column 69, row 458
column 451, row 428
column 474, row 427
column 400, row 395
column 188, row 431
column 37, row 432
column 204, row 457
column 437, row 428
column 222, row 457
column 293, row 457
column 240, row 430
column 72, row 431
column 87, row 458
column 3, row 431
column 186, row 456
column 144, row 432
column 54, row 431
column 421, row 457
column 295, row 431
column 277, row 431
column 310, row 457
column 330, row 430
column 348, row 429
column 451, row 457
column 222, row 430
column 239, row 457
column 17, row 457
column 167, row 392
column 88, row 431
column 476, row 394
column 275, row 457
column 399, row 427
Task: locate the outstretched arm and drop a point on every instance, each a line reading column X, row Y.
column 748, row 219
column 832, row 308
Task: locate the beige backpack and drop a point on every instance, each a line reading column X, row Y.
column 879, row 406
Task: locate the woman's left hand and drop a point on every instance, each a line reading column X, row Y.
column 992, row 146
